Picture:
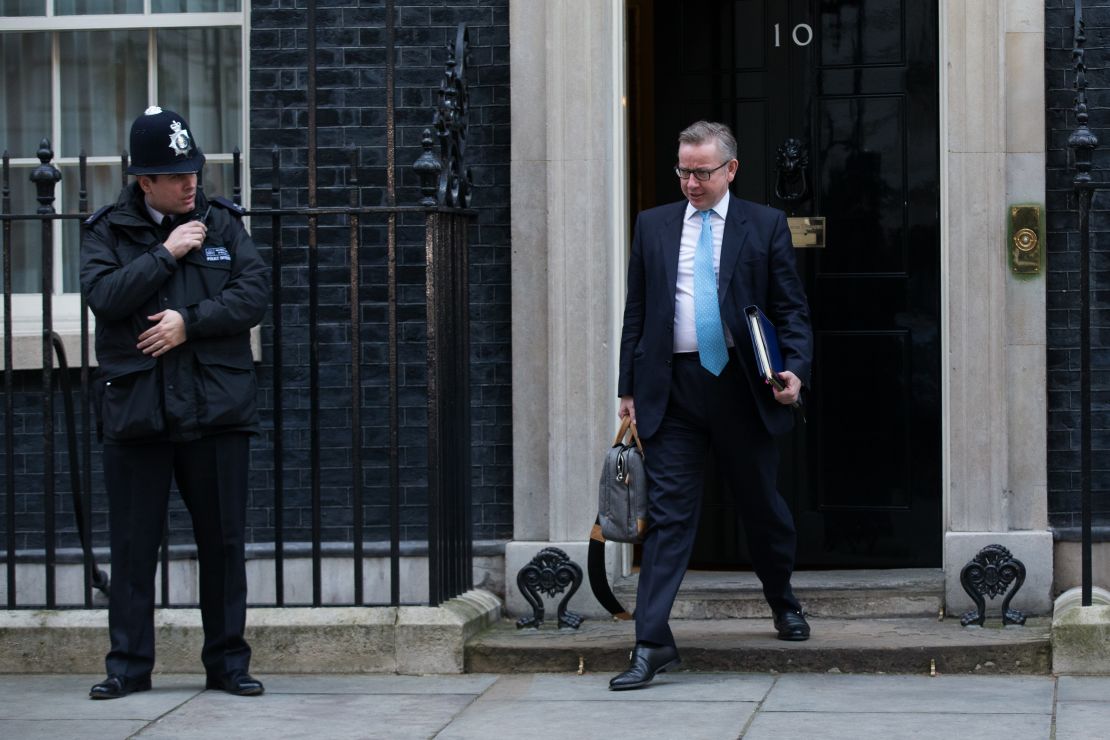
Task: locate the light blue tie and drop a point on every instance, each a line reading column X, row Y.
column 707, row 311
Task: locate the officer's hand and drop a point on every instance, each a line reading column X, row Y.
column 793, row 389
column 185, row 238
column 168, row 333
column 627, row 408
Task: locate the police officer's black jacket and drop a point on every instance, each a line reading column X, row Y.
column 205, row 385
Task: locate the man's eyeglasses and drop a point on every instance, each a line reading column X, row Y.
column 699, row 175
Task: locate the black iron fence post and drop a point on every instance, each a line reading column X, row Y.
column 1083, row 142
column 46, row 177
column 450, row 569
column 9, row 405
column 86, row 389
column 278, row 379
column 391, row 318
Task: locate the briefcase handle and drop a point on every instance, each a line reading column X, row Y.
column 628, row 425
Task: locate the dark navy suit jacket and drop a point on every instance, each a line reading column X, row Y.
column 757, row 268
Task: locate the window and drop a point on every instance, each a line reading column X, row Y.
column 78, row 72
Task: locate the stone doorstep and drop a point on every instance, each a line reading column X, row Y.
column 865, row 594
column 406, row 639
column 903, row 645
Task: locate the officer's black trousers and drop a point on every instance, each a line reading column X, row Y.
column 211, row 475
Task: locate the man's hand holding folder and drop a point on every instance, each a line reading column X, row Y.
column 788, row 390
column 786, row 386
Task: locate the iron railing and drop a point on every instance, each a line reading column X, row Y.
column 444, row 210
column 1083, row 141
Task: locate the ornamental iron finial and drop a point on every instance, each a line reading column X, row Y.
column 1082, row 140
column 45, row 177
column 452, row 120
column 428, row 168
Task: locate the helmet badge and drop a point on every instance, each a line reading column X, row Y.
column 179, row 139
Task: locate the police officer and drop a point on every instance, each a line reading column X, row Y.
column 176, row 284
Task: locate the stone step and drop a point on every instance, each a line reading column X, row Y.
column 893, row 645
column 865, row 594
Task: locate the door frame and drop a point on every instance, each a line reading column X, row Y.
column 994, row 461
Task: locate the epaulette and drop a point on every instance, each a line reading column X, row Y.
column 93, row 218
column 230, row 205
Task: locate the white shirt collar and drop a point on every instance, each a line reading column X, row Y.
column 154, row 214
column 721, row 208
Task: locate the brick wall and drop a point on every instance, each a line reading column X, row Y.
column 351, row 117
column 1063, row 266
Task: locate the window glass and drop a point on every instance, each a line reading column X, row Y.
column 26, row 236
column 24, row 97
column 217, row 179
column 103, row 186
column 104, row 83
column 97, row 7
column 194, row 6
column 199, row 77
column 22, row 7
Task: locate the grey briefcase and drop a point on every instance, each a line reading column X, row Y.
column 622, row 492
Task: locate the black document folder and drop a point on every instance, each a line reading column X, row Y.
column 765, row 345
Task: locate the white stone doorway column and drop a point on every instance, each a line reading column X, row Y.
column 569, row 236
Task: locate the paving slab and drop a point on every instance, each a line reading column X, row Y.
column 625, row 720
column 670, row 686
column 1083, row 719
column 893, row 726
column 69, row 729
column 472, row 684
column 310, row 716
column 994, row 695
column 51, row 697
column 1083, row 688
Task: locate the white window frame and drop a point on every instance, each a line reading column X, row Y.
column 66, row 307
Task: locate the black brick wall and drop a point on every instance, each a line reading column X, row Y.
column 351, row 114
column 1063, row 266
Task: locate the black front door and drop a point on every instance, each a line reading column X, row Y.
column 855, row 84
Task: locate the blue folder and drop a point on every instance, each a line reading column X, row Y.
column 765, row 346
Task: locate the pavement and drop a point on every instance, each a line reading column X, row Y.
column 566, row 705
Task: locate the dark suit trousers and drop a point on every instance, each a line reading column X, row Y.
column 211, row 475
column 706, row 411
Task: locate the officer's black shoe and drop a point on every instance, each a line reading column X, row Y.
column 792, row 626
column 646, row 662
column 115, row 686
column 239, row 683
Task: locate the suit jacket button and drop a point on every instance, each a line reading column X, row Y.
column 668, row 363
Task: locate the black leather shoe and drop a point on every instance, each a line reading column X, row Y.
column 646, row 662
column 239, row 683
column 792, row 626
column 115, row 687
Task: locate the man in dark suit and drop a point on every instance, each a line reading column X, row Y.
column 687, row 379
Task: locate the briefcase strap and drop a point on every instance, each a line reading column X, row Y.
column 628, row 425
column 599, row 580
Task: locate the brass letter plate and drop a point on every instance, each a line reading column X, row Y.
column 1026, row 239
column 807, row 231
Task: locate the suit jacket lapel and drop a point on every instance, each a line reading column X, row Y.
column 732, row 245
column 671, row 235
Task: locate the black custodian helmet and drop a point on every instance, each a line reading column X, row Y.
column 162, row 144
